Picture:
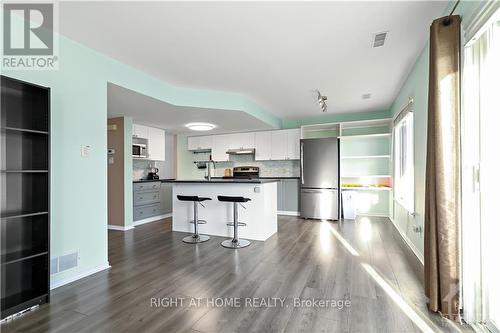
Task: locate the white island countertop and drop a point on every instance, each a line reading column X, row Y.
column 260, row 214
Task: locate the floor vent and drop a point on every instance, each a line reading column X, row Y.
column 64, row 262
column 379, row 39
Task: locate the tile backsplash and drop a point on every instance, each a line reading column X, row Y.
column 141, row 168
column 288, row 168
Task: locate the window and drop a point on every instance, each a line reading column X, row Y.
column 480, row 177
column 403, row 160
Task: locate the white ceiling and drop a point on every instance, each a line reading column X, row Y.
column 275, row 53
column 152, row 112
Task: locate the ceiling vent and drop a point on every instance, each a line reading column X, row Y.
column 366, row 96
column 379, row 39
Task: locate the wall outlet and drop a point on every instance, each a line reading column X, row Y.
column 256, row 189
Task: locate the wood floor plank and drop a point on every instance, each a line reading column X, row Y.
column 305, row 260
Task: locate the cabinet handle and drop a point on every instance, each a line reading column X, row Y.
column 140, row 198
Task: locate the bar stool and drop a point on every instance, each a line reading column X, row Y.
column 196, row 237
column 235, row 242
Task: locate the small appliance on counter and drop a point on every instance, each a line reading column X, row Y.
column 228, row 173
column 153, row 174
column 246, row 172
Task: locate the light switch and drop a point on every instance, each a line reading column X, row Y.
column 85, row 150
column 256, row 189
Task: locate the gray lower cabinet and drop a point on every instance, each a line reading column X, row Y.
column 165, row 198
column 279, row 186
column 143, row 212
column 291, row 190
column 146, row 200
column 288, row 194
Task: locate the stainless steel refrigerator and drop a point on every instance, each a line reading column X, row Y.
column 319, row 183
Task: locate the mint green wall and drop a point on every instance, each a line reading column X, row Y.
column 79, row 113
column 128, row 174
column 416, row 86
column 334, row 117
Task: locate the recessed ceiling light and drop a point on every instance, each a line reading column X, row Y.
column 200, row 126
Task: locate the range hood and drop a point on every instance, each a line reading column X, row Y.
column 241, row 151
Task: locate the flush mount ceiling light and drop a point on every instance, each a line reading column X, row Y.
column 200, row 126
column 321, row 101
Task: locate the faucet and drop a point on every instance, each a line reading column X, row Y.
column 209, row 176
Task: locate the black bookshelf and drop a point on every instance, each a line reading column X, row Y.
column 24, row 186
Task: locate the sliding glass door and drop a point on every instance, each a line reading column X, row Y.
column 481, row 177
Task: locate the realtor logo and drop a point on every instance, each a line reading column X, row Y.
column 28, row 36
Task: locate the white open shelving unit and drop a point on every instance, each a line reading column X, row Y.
column 365, row 158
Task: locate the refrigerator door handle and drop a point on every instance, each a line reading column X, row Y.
column 310, row 191
column 302, row 163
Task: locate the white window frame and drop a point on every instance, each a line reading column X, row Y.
column 404, row 161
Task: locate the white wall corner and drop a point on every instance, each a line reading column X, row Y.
column 119, row 227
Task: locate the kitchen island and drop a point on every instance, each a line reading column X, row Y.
column 260, row 214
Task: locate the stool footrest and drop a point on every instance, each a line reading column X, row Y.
column 240, row 224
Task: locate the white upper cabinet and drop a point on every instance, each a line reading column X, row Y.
column 279, row 145
column 200, row 142
column 293, row 144
column 220, row 145
column 263, row 146
column 241, row 140
column 269, row 145
column 156, row 144
column 156, row 140
column 246, row 140
column 140, row 131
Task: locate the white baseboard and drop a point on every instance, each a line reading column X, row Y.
column 408, row 242
column 288, row 213
column 62, row 282
column 120, row 227
column 152, row 219
column 374, row 215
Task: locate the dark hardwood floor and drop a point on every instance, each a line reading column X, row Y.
column 359, row 261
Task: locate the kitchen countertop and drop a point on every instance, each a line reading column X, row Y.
column 259, row 180
column 280, row 177
column 221, row 181
column 163, row 180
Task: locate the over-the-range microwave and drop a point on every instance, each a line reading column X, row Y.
column 139, row 150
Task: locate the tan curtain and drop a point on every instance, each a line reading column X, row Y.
column 442, row 190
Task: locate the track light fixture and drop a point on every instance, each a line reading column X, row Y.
column 321, row 101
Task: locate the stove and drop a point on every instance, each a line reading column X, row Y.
column 246, row 172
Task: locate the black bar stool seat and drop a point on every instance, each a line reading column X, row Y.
column 235, row 242
column 196, row 237
column 192, row 198
column 233, row 199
